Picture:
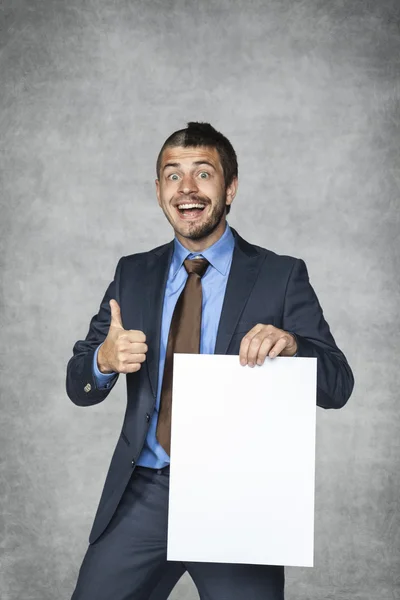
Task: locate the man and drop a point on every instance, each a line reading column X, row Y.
column 206, row 291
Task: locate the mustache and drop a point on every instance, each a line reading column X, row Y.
column 192, row 198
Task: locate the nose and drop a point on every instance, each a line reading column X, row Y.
column 188, row 185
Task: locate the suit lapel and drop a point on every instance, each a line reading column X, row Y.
column 246, row 263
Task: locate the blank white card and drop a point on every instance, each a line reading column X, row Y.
column 242, row 476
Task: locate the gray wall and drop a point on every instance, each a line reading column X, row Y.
column 308, row 92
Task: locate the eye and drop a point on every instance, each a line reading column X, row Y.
column 203, row 175
column 173, row 177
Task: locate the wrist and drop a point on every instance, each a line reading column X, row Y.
column 102, row 364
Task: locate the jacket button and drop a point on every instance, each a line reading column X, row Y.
column 133, row 463
column 147, row 417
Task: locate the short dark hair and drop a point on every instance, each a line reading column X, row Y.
column 204, row 134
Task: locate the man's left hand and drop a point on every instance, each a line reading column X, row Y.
column 265, row 340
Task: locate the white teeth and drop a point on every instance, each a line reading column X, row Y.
column 182, row 206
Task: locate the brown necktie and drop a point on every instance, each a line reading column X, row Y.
column 184, row 336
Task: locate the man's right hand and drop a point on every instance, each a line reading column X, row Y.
column 123, row 350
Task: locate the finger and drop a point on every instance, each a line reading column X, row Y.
column 130, row 368
column 251, row 343
column 251, row 346
column 265, row 341
column 135, row 348
column 245, row 345
column 128, row 353
column 126, row 364
column 135, row 358
column 132, row 336
column 265, row 347
column 278, row 347
column 116, row 320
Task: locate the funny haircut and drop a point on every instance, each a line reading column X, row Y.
column 203, row 134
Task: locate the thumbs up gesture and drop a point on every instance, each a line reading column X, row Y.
column 123, row 350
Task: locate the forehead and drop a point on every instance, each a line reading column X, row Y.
column 186, row 156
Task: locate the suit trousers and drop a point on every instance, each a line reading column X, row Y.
column 128, row 561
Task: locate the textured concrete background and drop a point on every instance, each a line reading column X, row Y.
column 309, row 94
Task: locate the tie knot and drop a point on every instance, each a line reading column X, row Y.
column 196, row 265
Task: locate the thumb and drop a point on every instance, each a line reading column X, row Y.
column 115, row 314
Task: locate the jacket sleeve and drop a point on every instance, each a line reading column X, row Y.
column 303, row 316
column 81, row 383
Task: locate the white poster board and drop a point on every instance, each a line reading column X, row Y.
column 242, row 475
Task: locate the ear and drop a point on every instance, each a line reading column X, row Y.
column 158, row 191
column 231, row 190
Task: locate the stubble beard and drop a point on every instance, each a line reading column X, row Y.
column 197, row 231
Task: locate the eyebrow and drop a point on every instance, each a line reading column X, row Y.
column 197, row 162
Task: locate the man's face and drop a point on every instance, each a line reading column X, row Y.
column 190, row 176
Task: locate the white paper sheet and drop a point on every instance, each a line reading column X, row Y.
column 242, row 460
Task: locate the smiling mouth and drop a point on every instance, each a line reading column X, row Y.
column 190, row 213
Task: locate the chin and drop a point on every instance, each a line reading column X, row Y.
column 202, row 231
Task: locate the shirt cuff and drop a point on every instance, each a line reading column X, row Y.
column 103, row 380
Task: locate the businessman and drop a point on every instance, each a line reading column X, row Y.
column 207, row 291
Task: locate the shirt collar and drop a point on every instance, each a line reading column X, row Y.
column 218, row 255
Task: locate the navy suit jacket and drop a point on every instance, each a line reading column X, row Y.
column 263, row 287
